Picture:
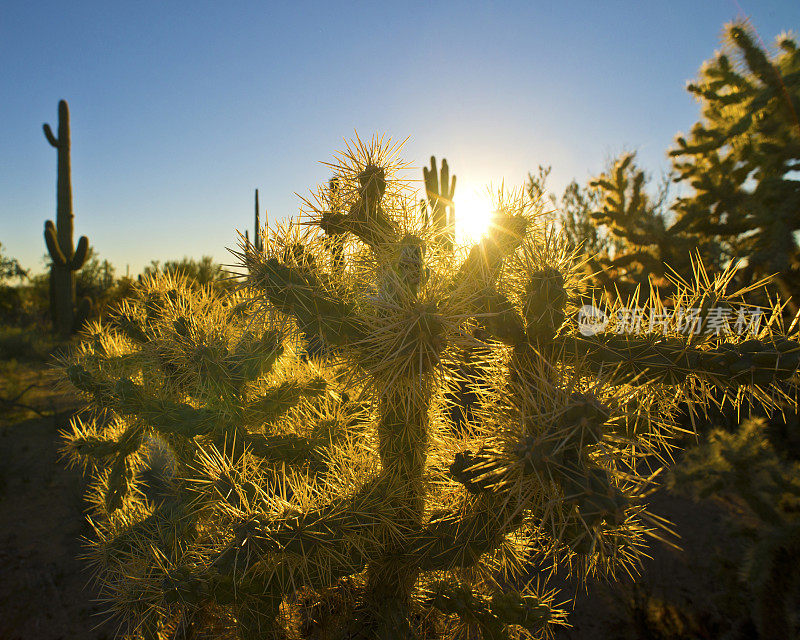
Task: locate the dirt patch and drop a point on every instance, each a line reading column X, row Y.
column 30, row 390
column 44, row 590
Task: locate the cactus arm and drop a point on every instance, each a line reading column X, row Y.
column 48, row 133
column 288, row 448
column 365, row 218
column 451, row 598
column 118, row 483
column 132, row 328
column 499, row 317
column 444, row 183
column 369, row 223
column 79, row 257
column 51, row 240
column 431, row 177
column 448, row 187
column 485, row 259
column 344, row 527
column 458, row 538
column 491, row 614
column 452, row 219
column 302, row 295
column 669, row 360
column 166, row 529
column 255, row 596
column 278, row 400
column 173, row 418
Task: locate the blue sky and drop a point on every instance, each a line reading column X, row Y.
column 179, row 110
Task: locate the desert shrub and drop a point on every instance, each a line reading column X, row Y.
column 10, row 299
column 281, row 462
column 203, row 271
column 25, row 344
column 10, row 304
column 10, row 268
column 762, row 490
column 16, row 344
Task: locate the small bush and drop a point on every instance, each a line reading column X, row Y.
column 30, row 345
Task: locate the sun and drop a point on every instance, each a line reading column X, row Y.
column 473, row 208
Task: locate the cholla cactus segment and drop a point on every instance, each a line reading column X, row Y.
column 491, row 615
column 317, row 485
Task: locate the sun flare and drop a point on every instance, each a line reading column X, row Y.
column 473, row 208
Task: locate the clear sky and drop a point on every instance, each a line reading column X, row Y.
column 179, row 110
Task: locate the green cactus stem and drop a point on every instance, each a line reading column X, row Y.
column 66, row 258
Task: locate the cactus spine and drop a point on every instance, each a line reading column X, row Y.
column 66, row 258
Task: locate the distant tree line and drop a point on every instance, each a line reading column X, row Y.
column 25, row 298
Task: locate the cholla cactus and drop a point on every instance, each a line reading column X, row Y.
column 189, row 404
column 357, row 511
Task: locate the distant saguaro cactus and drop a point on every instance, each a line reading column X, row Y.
column 440, row 190
column 66, row 258
column 258, row 238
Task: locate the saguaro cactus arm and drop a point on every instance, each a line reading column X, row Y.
column 51, row 240
column 48, row 132
column 79, row 256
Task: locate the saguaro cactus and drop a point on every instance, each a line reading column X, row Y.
column 66, row 258
column 440, row 190
column 391, row 525
column 258, row 238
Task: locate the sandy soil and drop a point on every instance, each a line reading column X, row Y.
column 43, row 583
